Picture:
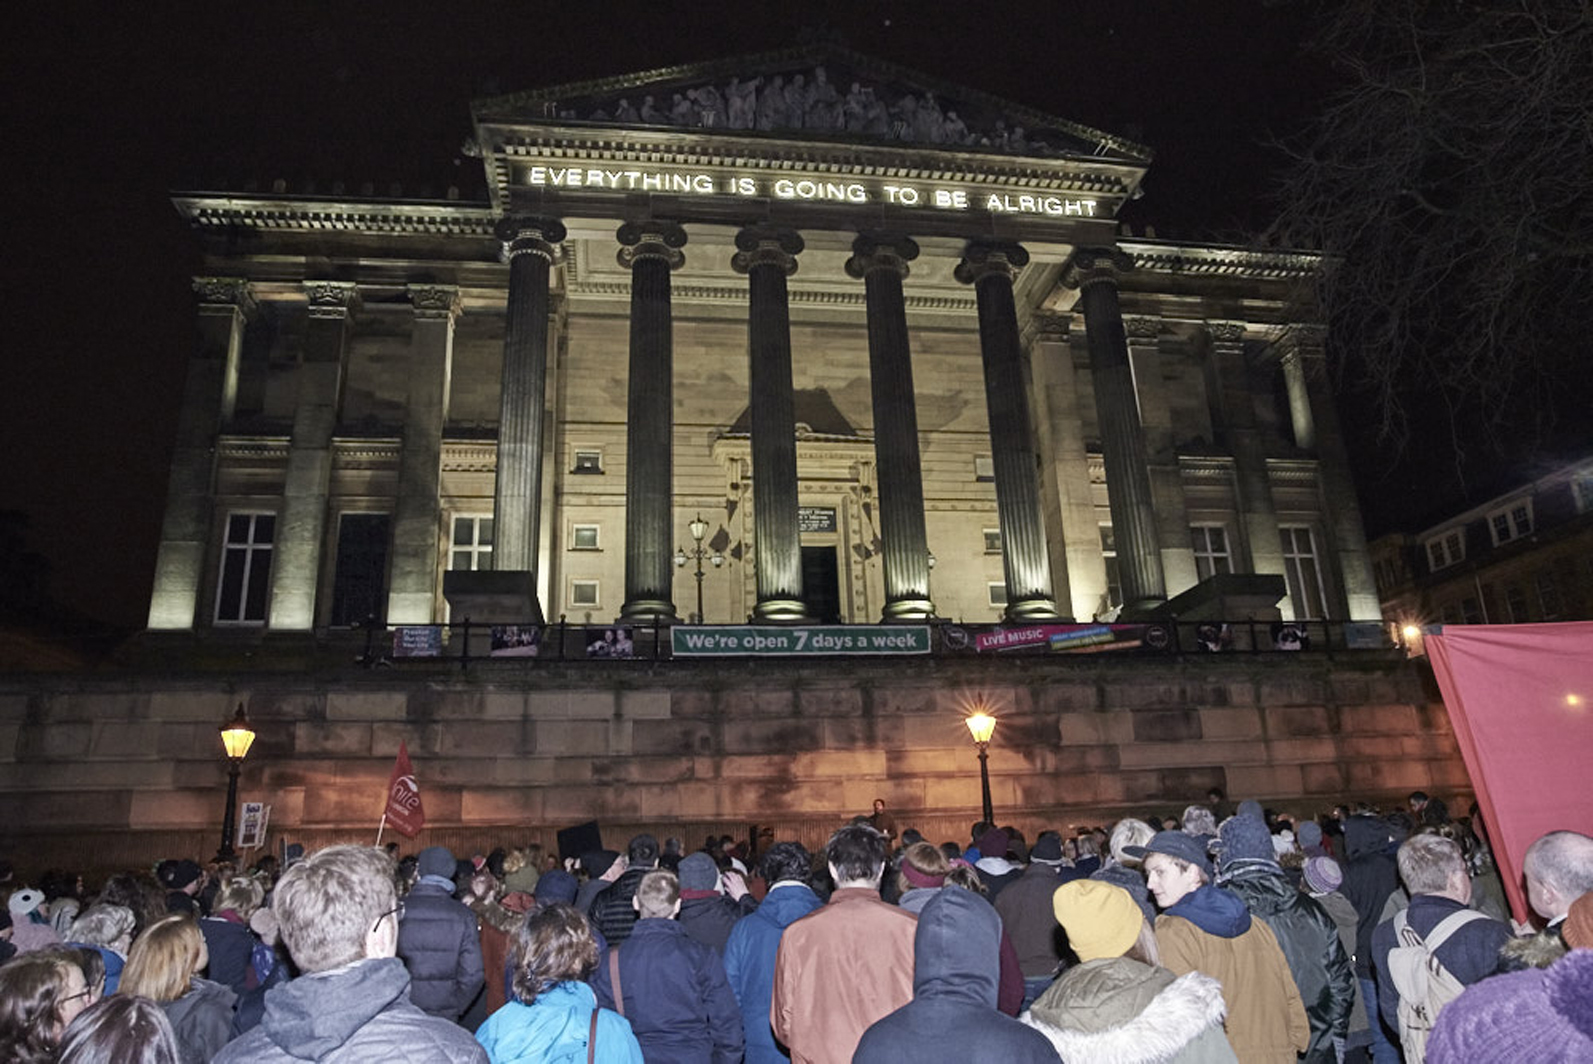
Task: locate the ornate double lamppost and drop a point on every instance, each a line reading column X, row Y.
column 236, row 738
column 699, row 529
column 982, row 726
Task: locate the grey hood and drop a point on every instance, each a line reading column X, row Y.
column 957, row 949
column 316, row 1014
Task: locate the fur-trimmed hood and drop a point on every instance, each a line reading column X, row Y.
column 1119, row 1011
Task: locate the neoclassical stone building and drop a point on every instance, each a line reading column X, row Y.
column 883, row 335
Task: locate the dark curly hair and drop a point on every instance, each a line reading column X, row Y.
column 786, row 862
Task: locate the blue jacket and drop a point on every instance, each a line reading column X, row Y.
column 675, row 995
column 441, row 946
column 1471, row 954
column 956, row 960
column 749, row 963
column 554, row 1028
column 231, row 945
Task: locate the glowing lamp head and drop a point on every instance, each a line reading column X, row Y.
column 237, row 736
column 981, row 726
column 1410, row 632
column 698, row 527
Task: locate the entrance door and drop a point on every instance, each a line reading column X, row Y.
column 821, row 584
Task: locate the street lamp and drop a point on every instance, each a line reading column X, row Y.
column 982, row 726
column 699, row 529
column 236, row 738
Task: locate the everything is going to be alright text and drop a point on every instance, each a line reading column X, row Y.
column 817, row 190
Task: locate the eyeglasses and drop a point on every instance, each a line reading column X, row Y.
column 74, row 997
column 396, row 912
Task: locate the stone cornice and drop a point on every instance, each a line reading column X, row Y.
column 1218, row 260
column 469, row 457
column 289, row 214
column 737, row 294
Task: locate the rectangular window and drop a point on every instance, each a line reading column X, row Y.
column 997, row 594
column 1510, row 523
column 587, row 461
column 583, row 594
column 245, row 569
column 1444, row 551
column 1302, row 572
column 471, row 546
column 583, row 537
column 1516, row 604
column 984, row 467
column 992, row 541
column 1114, row 575
column 359, row 579
column 1470, row 610
column 1548, row 595
column 1211, row 550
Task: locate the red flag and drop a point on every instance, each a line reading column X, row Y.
column 404, row 811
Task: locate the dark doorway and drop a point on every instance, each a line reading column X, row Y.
column 360, row 580
column 821, row 584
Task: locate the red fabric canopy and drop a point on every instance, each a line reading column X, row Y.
column 1520, row 697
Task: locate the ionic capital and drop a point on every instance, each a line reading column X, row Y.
column 332, row 299
column 224, row 294
column 651, row 240
column 881, row 251
column 434, row 300
column 992, row 258
column 767, row 246
column 1096, row 266
column 525, row 234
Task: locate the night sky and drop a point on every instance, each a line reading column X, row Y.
column 108, row 115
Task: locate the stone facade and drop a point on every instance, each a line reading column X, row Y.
column 116, row 770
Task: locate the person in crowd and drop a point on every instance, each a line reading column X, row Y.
column 1118, row 1005
column 1025, row 911
column 63, row 899
column 269, row 968
column 754, row 943
column 30, row 930
column 183, row 880
column 1124, row 871
column 497, row 915
column 1204, row 928
column 1199, row 822
column 438, row 941
column 41, row 993
column 612, row 911
column 843, row 966
column 1370, row 878
column 1305, row 932
column 93, row 966
column 952, row 1014
column 1427, row 811
column 1009, row 990
column 671, row 988
column 883, row 822
column 108, row 929
column 1541, row 1015
column 120, row 1030
column 1322, row 877
column 707, row 915
column 1088, row 859
column 602, row 868
column 228, row 939
column 1434, row 872
column 553, row 1015
column 1559, row 869
column 164, row 966
column 338, row 910
column 993, row 866
column 521, row 869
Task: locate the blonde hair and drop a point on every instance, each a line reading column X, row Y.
column 1129, row 831
column 329, row 902
column 163, row 960
column 241, row 894
column 924, row 857
column 657, row 894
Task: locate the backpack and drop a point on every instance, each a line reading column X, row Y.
column 1425, row 986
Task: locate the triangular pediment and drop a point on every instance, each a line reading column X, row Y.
column 821, row 92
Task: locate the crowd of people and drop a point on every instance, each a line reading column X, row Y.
column 1216, row 936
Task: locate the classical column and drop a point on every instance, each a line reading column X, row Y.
column 1301, row 418
column 650, row 250
column 768, row 256
column 881, row 259
column 1346, row 533
column 301, row 530
column 417, row 513
column 1094, row 271
column 208, row 394
column 990, row 267
column 1161, row 460
column 1078, row 572
column 531, row 245
column 1236, row 426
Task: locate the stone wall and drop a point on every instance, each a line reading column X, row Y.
column 109, row 770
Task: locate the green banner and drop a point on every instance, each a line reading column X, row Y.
column 741, row 640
